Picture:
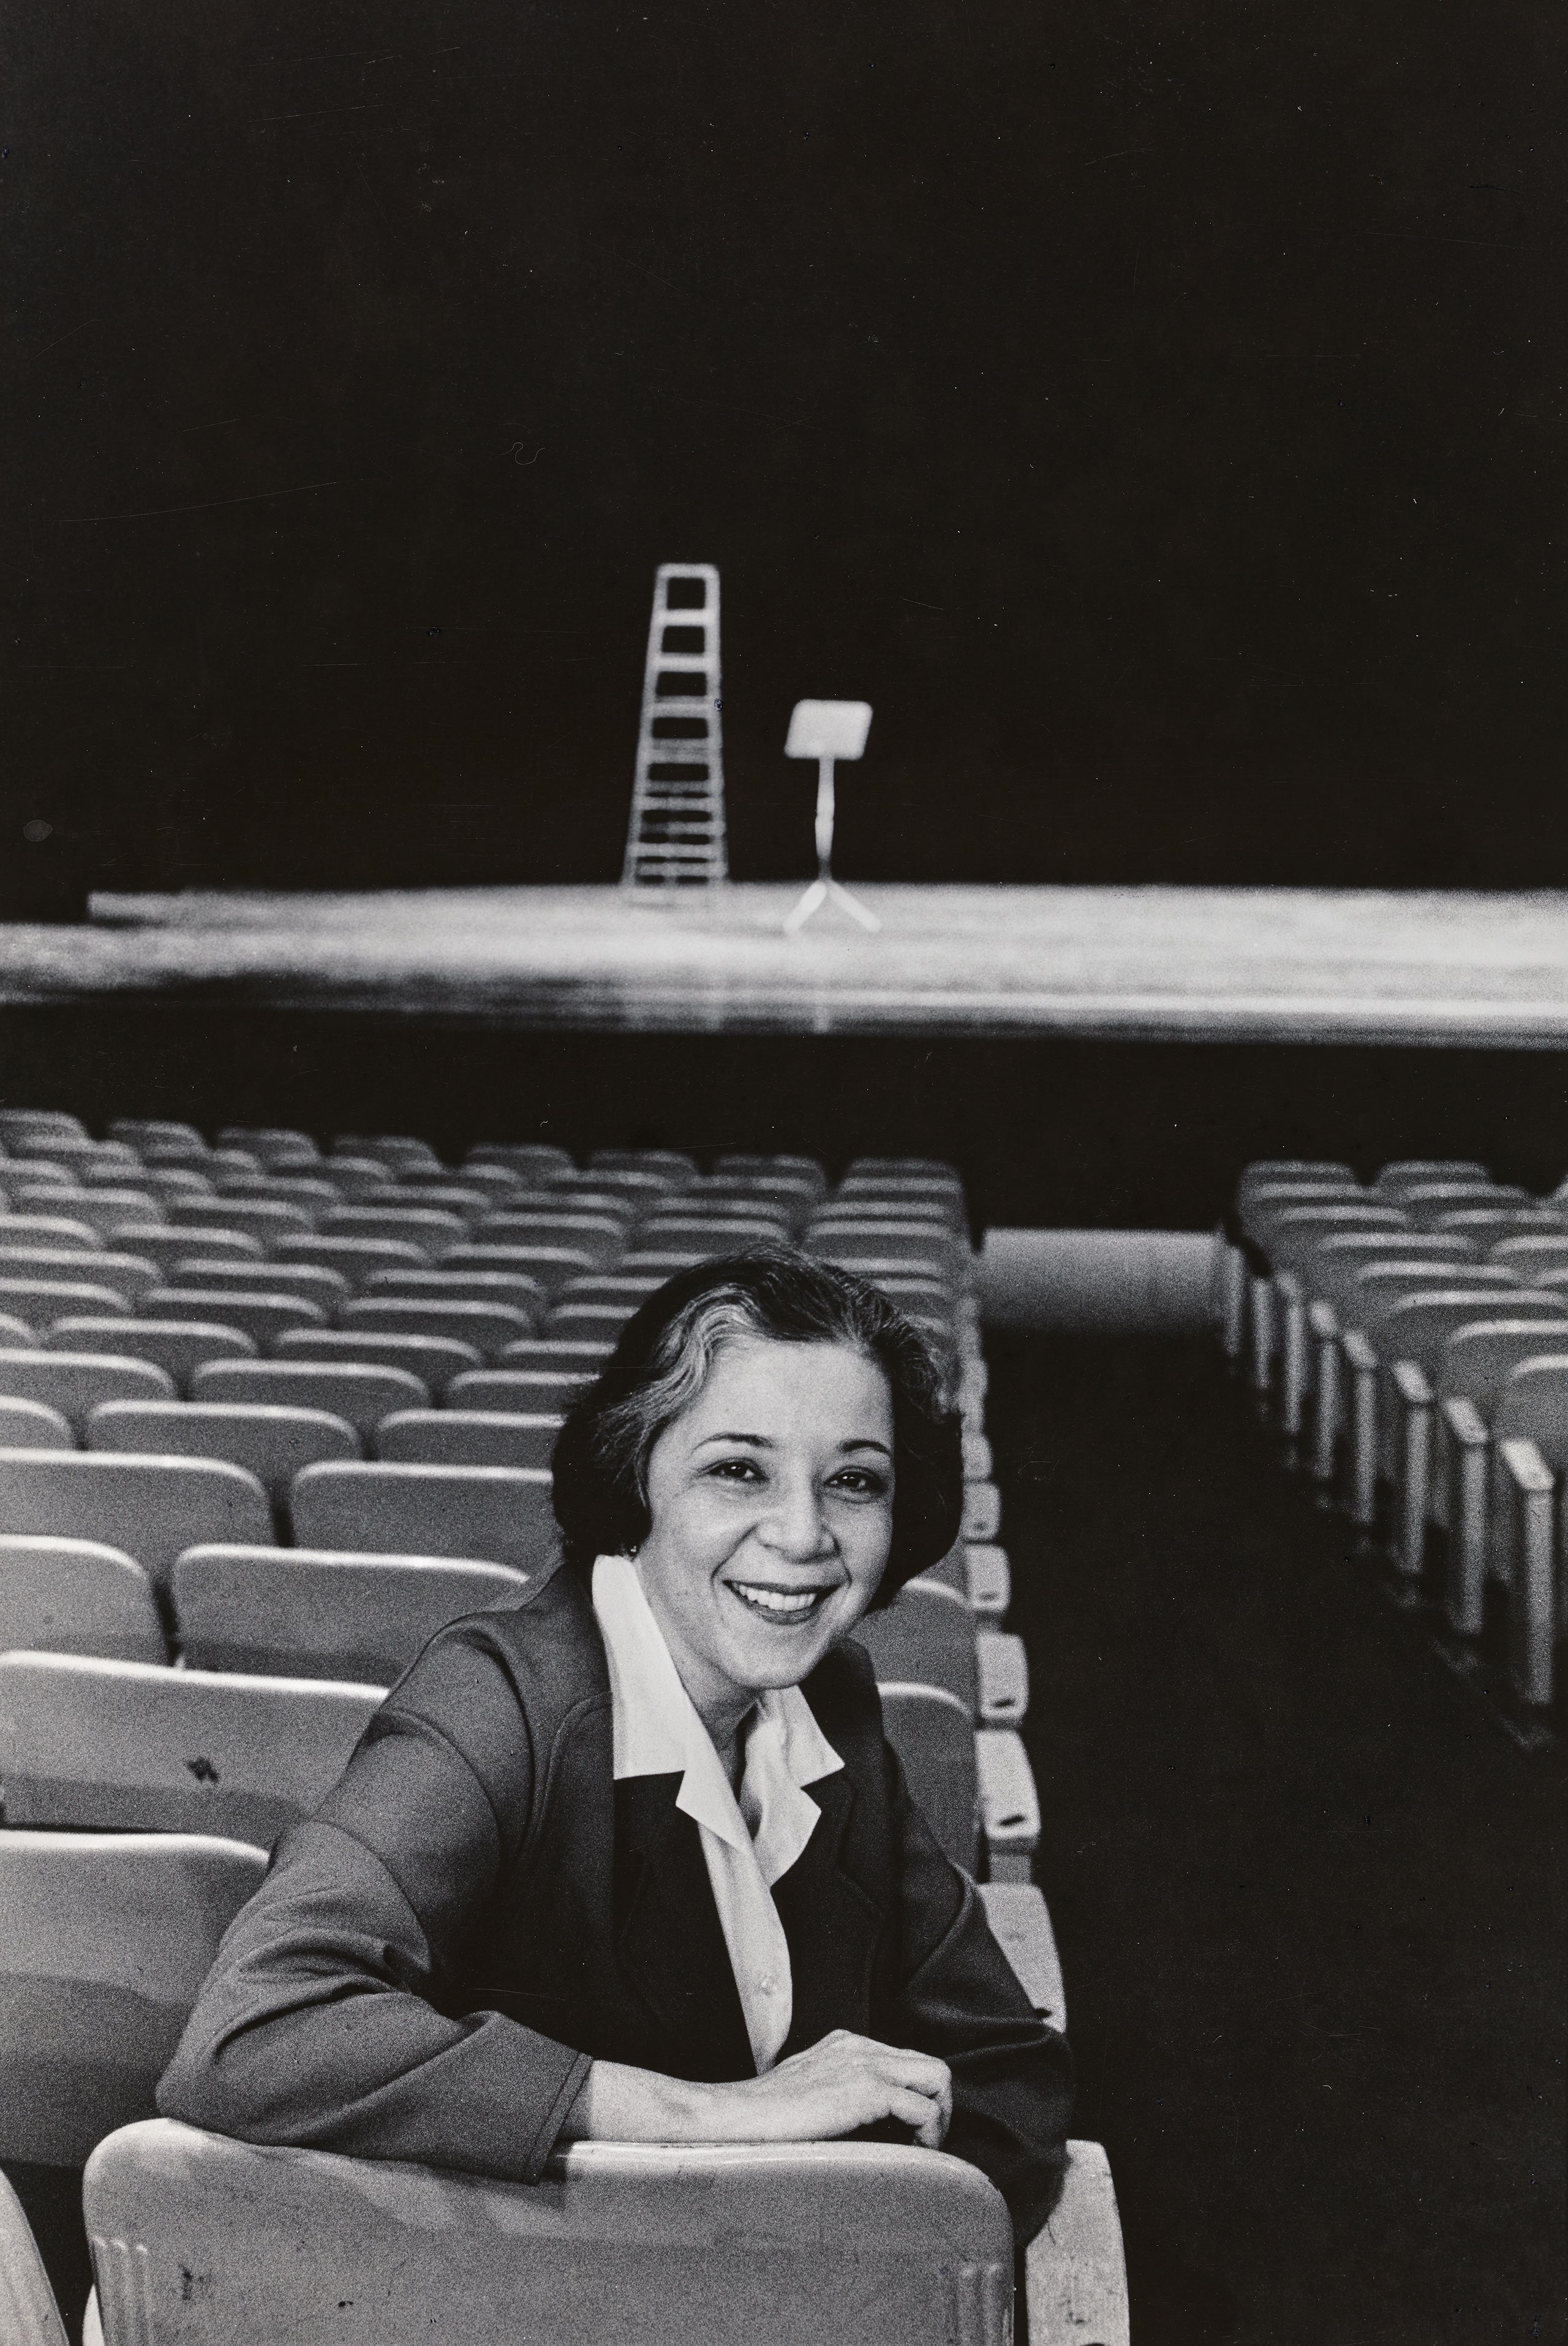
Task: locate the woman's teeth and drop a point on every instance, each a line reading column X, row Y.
column 779, row 1604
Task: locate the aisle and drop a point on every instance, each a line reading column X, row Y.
column 1308, row 1896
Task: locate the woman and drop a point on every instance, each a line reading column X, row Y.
column 632, row 1859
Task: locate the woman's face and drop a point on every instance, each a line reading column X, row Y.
column 771, row 1500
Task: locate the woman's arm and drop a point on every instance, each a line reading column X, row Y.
column 319, row 2024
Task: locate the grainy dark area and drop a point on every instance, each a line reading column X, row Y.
column 1309, row 1896
column 1152, row 410
column 1047, row 1133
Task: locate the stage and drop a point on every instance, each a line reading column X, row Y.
column 1136, row 964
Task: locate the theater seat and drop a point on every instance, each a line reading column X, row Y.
column 77, row 1597
column 34, row 1425
column 488, row 1326
column 501, row 1514
column 435, row 1360
column 356, row 1391
column 534, row 1391
column 74, row 1383
column 105, row 1940
column 270, row 1443
column 149, row 1508
column 468, row 1437
column 262, row 1314
column 127, row 1747
column 315, row 1612
column 817, row 2244
column 178, row 1346
column 130, row 1275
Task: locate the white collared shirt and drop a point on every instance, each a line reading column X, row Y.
column 747, row 1843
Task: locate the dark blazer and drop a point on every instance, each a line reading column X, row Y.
column 478, row 1910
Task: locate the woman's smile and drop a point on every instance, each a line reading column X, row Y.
column 786, row 1606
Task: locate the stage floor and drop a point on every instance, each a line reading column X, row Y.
column 1151, row 964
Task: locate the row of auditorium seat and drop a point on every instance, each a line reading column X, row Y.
column 178, row 1680
column 1409, row 1340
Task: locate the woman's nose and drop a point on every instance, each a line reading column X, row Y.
column 795, row 1526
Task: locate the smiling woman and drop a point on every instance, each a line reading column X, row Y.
column 633, row 1858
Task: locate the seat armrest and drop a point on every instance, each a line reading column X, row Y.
column 981, row 1511
column 1003, row 1671
column 1323, row 1320
column 1074, row 2268
column 1288, row 1286
column 1022, row 1929
column 976, row 1457
column 1532, row 1607
column 1413, row 1385
column 1526, row 1469
column 1009, row 1803
column 1358, row 1352
column 1464, row 1422
column 989, row 1578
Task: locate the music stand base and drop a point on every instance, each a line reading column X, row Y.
column 817, row 895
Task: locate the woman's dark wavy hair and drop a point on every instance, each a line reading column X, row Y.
column 662, row 1363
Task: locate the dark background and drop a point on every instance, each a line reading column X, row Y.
column 1150, row 409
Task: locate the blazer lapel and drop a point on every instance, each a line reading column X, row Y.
column 668, row 1942
column 832, row 1921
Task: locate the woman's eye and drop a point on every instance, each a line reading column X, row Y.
column 736, row 1470
column 861, row 1483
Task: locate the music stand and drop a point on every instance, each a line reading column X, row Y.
column 828, row 730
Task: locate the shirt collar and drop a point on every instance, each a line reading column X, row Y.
column 657, row 1732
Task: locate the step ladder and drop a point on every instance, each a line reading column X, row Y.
column 676, row 836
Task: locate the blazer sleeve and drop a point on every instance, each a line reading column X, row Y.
column 320, row 2024
column 954, row 1994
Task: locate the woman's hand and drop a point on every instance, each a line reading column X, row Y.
column 839, row 2085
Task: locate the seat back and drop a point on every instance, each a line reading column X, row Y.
column 77, row 1597
column 34, row 1425
column 180, row 1347
column 353, row 1259
column 150, row 1508
column 127, row 1747
column 1412, row 1172
column 573, row 1355
column 268, row 1442
column 1531, row 1253
column 74, row 1383
column 1534, row 1407
column 434, row 1358
column 489, row 1326
column 261, row 1313
column 933, row 1736
column 1477, row 1361
column 130, row 1275
column 1377, row 1287
column 502, row 1514
column 924, row 1638
column 359, row 1392
column 532, row 1392
column 468, row 1437
column 442, row 1285
column 1419, row 1329
column 818, row 2244
column 1424, row 1201
column 105, row 1941
column 314, row 1612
